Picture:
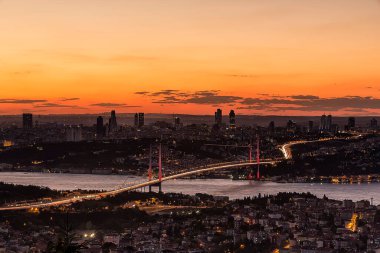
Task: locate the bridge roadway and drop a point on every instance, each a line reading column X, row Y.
column 199, row 170
column 285, row 149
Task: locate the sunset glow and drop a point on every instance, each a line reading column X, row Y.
column 281, row 57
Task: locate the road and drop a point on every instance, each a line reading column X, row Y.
column 286, row 149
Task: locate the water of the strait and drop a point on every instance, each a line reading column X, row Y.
column 220, row 187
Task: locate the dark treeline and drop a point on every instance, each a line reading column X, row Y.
column 11, row 193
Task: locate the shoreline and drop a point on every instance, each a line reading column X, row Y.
column 334, row 180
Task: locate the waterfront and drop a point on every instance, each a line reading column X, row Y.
column 220, row 187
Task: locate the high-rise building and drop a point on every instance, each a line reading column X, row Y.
column 139, row 120
column 218, row 117
column 100, row 127
column 74, row 134
column 177, row 123
column 136, row 120
column 351, row 123
column 271, row 127
column 232, row 119
column 310, row 126
column 112, row 125
column 291, row 126
column 328, row 123
column 322, row 125
column 373, row 123
column 27, row 121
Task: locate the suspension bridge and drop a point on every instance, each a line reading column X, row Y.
column 157, row 182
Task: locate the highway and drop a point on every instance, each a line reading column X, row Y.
column 286, row 149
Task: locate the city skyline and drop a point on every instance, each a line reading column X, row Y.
column 287, row 57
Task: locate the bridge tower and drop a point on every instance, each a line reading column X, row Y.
column 250, row 153
column 150, row 172
column 250, row 177
column 160, row 168
column 258, row 157
column 159, row 185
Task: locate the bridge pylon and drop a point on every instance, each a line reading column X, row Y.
column 258, row 157
column 159, row 184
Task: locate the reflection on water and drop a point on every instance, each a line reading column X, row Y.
column 225, row 187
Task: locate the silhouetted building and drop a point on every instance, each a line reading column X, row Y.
column 232, row 119
column 177, row 123
column 351, row 123
column 27, row 121
column 139, row 120
column 136, row 120
column 74, row 133
column 310, row 126
column 112, row 124
column 100, row 127
column 322, row 125
column 373, row 123
column 271, row 127
column 291, row 126
column 218, row 117
column 328, row 123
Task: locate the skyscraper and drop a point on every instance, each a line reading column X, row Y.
column 271, row 127
column 310, row 126
column 218, row 117
column 328, row 123
column 291, row 126
column 177, row 123
column 373, row 124
column 99, row 127
column 351, row 123
column 112, row 122
column 322, row 125
column 136, row 120
column 27, row 121
column 141, row 119
column 232, row 119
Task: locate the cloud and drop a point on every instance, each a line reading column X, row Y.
column 313, row 103
column 69, row 99
column 164, row 92
column 114, row 105
column 55, row 105
column 311, row 97
column 21, row 101
column 297, row 102
column 141, row 92
column 211, row 97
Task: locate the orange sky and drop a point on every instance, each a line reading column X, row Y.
column 255, row 56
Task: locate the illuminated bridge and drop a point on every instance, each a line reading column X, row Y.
column 151, row 182
column 137, row 185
